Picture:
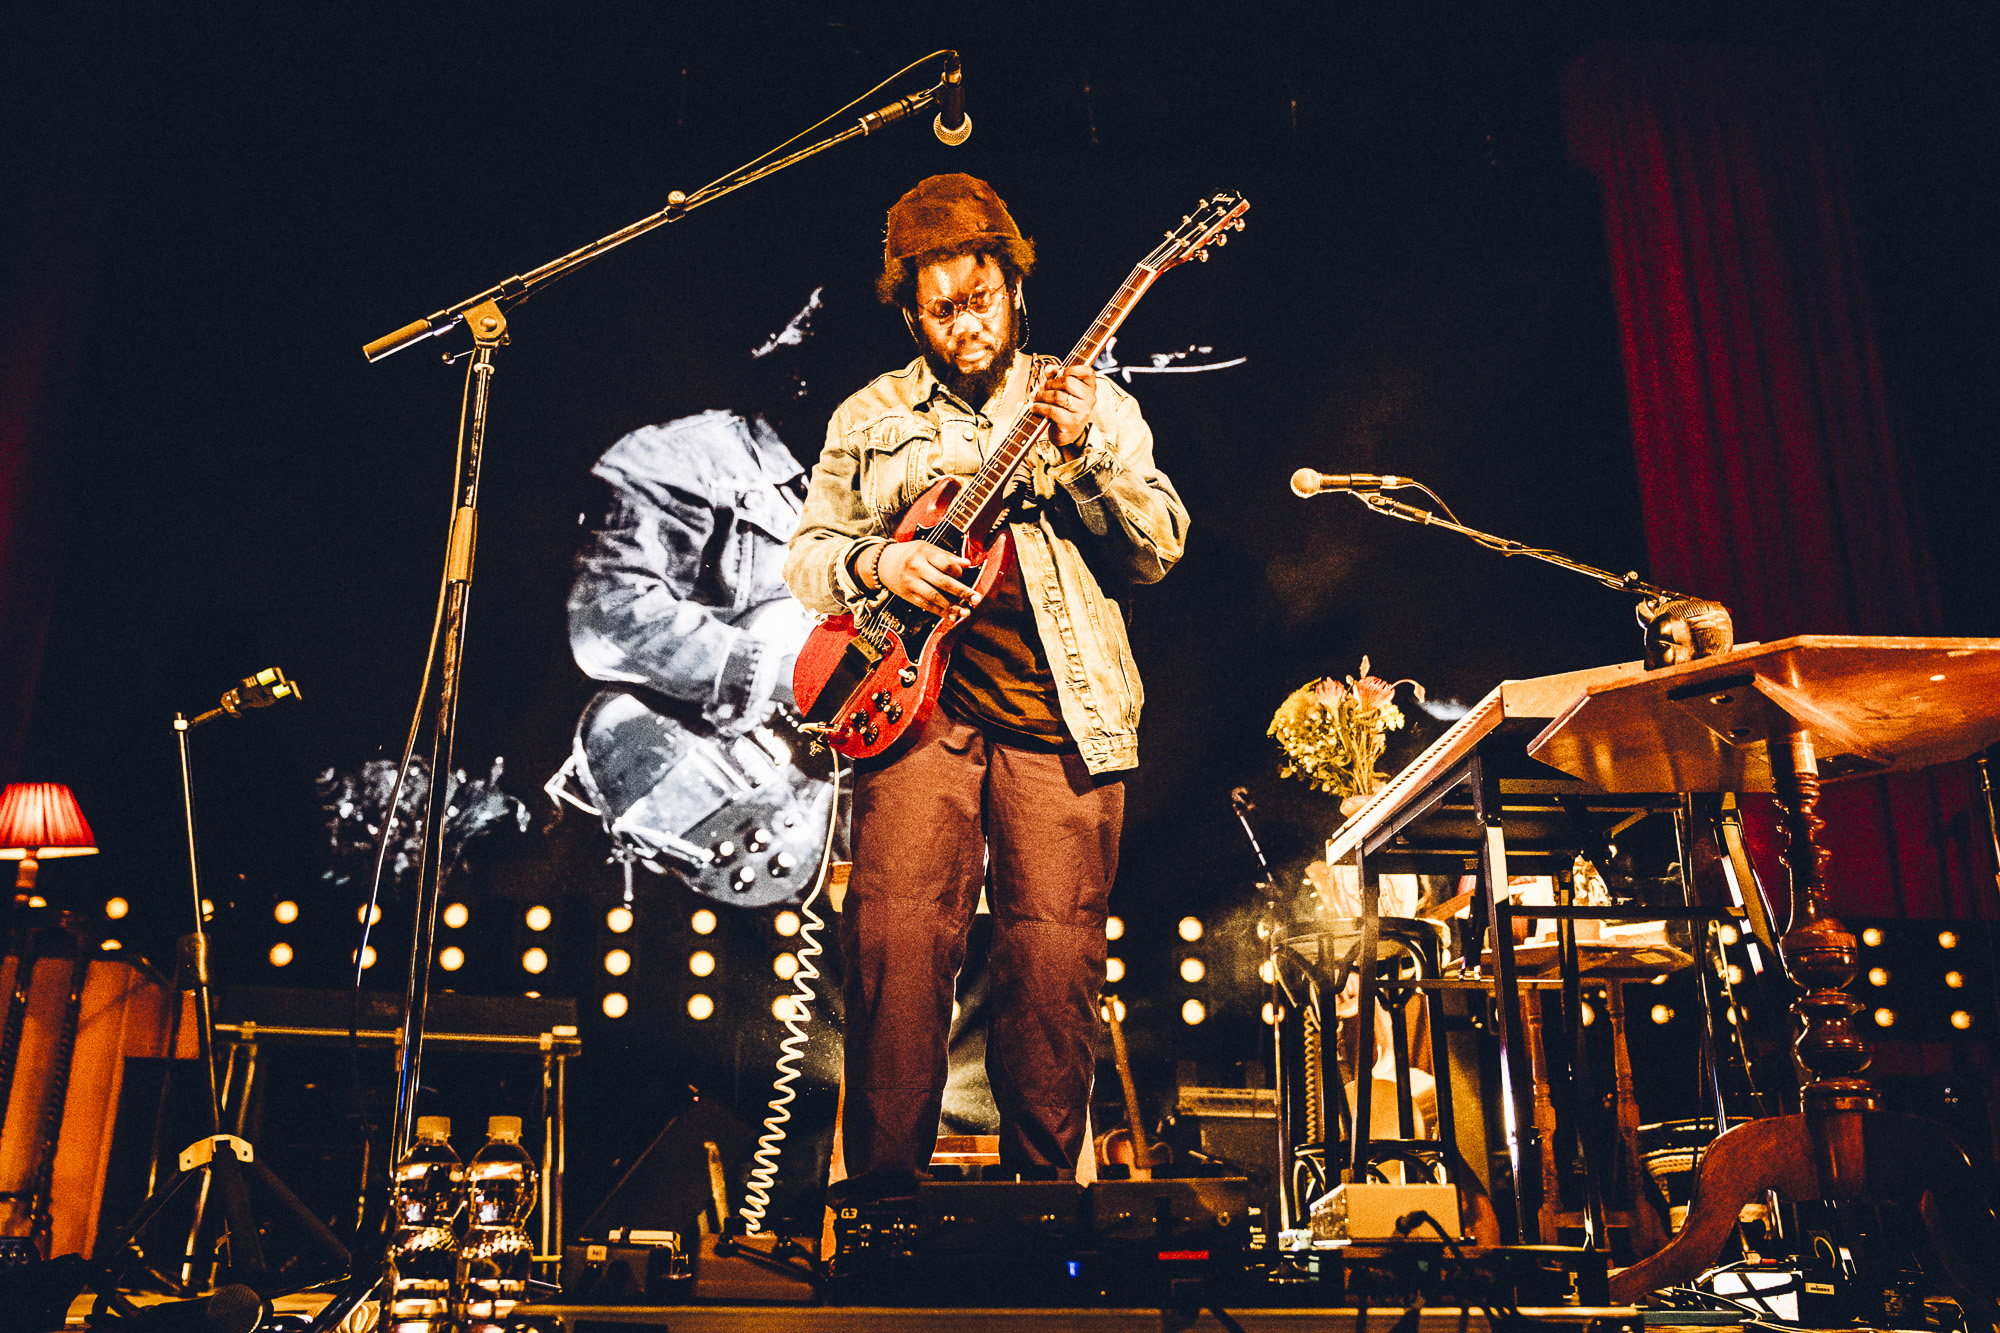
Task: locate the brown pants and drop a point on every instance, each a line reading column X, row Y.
column 959, row 808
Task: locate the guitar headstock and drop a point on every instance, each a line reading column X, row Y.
column 1210, row 224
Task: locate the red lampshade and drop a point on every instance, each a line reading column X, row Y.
column 39, row 820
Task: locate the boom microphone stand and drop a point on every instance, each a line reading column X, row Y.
column 484, row 314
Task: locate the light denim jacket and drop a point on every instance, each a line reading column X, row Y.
column 890, row 442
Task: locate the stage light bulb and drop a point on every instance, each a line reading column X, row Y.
column 1114, row 969
column 618, row 920
column 617, row 963
column 1267, row 972
column 700, row 1007
column 1660, row 980
column 1193, row 970
column 1193, row 1012
column 1589, row 1015
column 370, row 913
column 1961, row 1020
column 367, row 956
column 451, row 958
column 1871, row 937
column 1954, row 979
column 535, row 960
column 1885, row 1018
column 615, row 1004
column 1727, row 933
column 1947, row 940
column 111, row 946
column 208, row 910
column 281, row 954
column 1878, row 976
column 1271, row 1013
column 116, row 909
column 38, row 901
column 701, row 962
column 539, row 917
column 703, row 922
column 1190, row 929
column 1663, row 1013
column 786, row 1009
column 786, row 923
column 785, row 966
column 456, row 915
column 1112, row 1008
column 1735, row 975
column 1114, row 927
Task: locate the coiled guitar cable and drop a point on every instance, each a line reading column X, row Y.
column 764, row 1175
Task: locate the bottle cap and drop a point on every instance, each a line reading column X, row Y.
column 503, row 1127
column 434, row 1127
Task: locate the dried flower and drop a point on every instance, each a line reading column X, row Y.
column 1333, row 732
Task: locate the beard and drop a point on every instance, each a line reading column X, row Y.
column 975, row 387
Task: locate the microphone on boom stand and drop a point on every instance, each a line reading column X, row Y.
column 1308, row 482
column 259, row 691
column 951, row 125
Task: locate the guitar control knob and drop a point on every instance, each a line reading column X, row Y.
column 789, row 820
column 908, row 676
column 894, row 712
column 881, row 701
column 859, row 721
column 758, row 841
column 744, row 879
column 782, row 862
column 724, row 850
column 869, row 734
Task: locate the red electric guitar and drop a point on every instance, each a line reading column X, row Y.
column 863, row 679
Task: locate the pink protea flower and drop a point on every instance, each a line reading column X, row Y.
column 1329, row 693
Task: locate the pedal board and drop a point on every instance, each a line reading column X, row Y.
column 1041, row 1243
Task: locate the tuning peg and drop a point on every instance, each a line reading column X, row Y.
column 1202, row 254
column 1240, row 224
column 1169, row 235
column 1222, row 239
column 1184, row 219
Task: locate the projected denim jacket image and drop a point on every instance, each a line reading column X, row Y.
column 692, row 545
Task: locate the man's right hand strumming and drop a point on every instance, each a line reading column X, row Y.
column 927, row 576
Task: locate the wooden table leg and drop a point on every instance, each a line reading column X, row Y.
column 1841, row 1147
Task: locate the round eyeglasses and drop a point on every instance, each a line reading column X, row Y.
column 981, row 301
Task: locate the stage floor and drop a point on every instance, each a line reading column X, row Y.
column 867, row 1319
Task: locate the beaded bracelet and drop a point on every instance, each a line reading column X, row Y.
column 870, row 576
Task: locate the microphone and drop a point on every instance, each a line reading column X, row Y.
column 1308, row 482
column 260, row 691
column 951, row 125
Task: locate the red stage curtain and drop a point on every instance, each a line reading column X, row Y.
column 1768, row 466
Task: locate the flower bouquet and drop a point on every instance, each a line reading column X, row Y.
column 1333, row 732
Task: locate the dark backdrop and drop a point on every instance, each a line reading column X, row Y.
column 1422, row 290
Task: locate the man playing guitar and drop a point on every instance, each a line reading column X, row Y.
column 1012, row 782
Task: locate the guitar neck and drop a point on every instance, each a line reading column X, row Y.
column 977, row 507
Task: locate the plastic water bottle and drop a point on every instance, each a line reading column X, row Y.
column 496, row 1256
column 423, row 1253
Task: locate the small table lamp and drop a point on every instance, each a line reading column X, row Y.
column 40, row 820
